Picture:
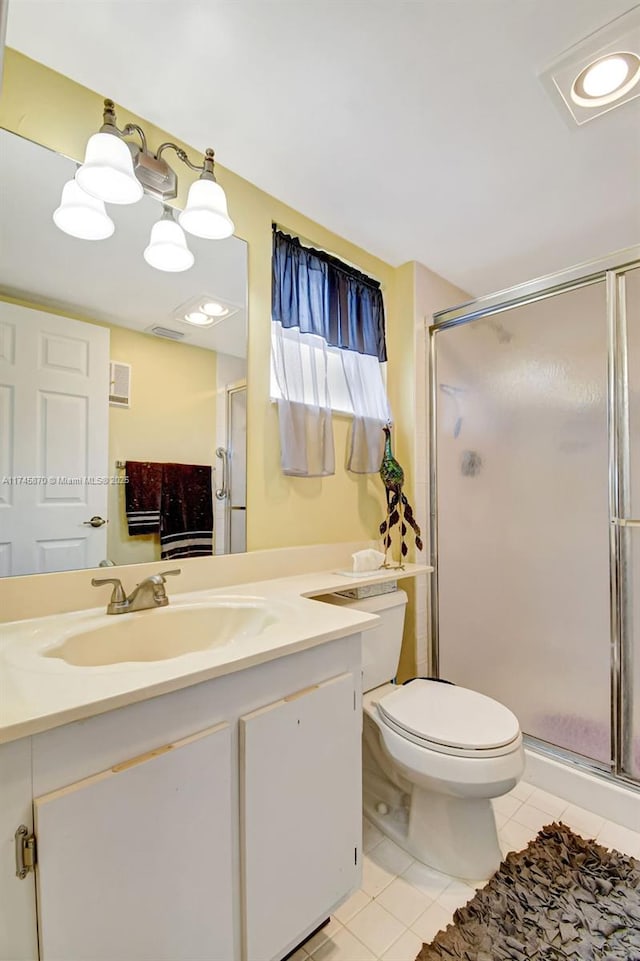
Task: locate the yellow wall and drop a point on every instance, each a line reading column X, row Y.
column 55, row 111
column 172, row 418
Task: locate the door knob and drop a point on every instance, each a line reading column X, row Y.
column 95, row 521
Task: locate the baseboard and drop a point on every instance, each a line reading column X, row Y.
column 610, row 799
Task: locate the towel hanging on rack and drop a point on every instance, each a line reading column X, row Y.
column 142, row 495
column 186, row 511
column 174, row 501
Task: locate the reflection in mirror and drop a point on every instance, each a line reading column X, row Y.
column 99, row 366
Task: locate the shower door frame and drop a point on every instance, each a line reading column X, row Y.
column 610, row 271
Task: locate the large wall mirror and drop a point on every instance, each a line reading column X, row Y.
column 98, row 366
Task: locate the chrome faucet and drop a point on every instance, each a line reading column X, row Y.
column 147, row 594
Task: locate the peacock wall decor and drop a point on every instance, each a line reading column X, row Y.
column 399, row 510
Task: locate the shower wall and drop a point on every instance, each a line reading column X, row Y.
column 523, row 514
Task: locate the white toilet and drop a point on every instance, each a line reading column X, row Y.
column 433, row 754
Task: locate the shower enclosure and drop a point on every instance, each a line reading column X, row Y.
column 535, row 507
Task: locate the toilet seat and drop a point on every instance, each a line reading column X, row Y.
column 450, row 720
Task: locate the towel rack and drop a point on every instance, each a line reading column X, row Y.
column 222, row 493
column 122, row 464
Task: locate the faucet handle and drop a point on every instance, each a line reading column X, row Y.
column 118, row 595
column 164, row 574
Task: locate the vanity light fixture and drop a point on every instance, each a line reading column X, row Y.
column 81, row 215
column 117, row 170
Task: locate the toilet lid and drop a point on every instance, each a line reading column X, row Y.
column 449, row 715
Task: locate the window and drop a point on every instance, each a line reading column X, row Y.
column 311, row 362
column 328, row 353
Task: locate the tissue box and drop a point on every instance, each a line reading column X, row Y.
column 370, row 590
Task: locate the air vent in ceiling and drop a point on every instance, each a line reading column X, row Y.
column 119, row 384
column 167, row 332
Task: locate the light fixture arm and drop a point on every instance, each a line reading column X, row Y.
column 109, row 125
column 206, row 167
column 134, row 128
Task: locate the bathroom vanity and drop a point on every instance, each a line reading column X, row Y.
column 206, row 805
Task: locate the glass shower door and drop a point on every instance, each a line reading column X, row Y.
column 523, row 514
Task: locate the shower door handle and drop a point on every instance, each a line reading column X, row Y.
column 626, row 522
column 222, row 492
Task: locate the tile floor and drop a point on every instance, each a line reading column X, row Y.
column 403, row 903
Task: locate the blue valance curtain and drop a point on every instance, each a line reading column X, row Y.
column 321, row 295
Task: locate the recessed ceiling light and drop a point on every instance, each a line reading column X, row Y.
column 205, row 311
column 599, row 73
column 214, row 309
column 198, row 319
column 604, row 76
column 606, row 79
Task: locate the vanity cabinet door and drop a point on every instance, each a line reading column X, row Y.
column 300, row 781
column 135, row 862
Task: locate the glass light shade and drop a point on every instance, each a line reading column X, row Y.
column 167, row 248
column 206, row 213
column 605, row 76
column 81, row 215
column 107, row 171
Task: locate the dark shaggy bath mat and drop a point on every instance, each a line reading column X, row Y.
column 561, row 898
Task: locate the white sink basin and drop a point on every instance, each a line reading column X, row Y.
column 164, row 633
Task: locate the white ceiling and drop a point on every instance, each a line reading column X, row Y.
column 419, row 130
column 109, row 279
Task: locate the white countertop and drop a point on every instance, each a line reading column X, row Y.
column 38, row 693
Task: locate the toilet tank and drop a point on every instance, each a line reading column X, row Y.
column 380, row 644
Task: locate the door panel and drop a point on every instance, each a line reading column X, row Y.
column 135, row 863
column 63, row 429
column 523, row 515
column 301, row 816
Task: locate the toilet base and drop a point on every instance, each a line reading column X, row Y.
column 430, row 831
column 455, row 835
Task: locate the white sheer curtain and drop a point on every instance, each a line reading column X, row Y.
column 363, row 378
column 299, row 367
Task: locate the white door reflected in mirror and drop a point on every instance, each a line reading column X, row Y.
column 54, row 387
